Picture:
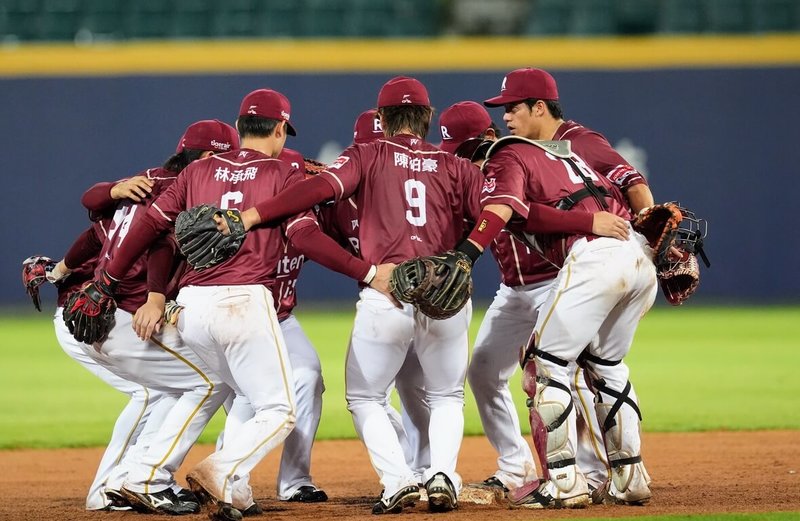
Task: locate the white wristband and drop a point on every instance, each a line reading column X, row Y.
column 370, row 275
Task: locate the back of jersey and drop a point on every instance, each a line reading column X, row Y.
column 412, row 198
column 237, row 179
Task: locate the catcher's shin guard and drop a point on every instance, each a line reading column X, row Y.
column 619, row 417
column 550, row 418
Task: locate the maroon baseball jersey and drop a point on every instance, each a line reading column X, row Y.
column 522, row 172
column 236, row 179
column 412, row 198
column 518, row 263
column 595, row 149
column 292, row 158
column 132, row 290
column 340, row 221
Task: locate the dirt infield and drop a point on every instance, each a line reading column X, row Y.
column 692, row 473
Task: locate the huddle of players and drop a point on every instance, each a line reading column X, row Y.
column 386, row 200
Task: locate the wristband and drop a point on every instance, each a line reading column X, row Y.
column 373, row 270
column 470, row 250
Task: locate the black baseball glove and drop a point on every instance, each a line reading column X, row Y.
column 89, row 311
column 200, row 240
column 439, row 286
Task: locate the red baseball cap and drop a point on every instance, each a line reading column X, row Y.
column 403, row 90
column 523, row 84
column 460, row 122
column 270, row 104
column 367, row 128
column 209, row 134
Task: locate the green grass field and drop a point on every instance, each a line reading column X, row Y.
column 695, row 368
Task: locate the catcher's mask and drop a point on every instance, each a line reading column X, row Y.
column 690, row 234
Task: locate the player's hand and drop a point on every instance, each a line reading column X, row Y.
column 149, row 318
column 136, row 189
column 381, row 281
column 605, row 224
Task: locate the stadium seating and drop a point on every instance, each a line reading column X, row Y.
column 93, row 20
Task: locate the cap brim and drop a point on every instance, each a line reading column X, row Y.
column 499, row 101
column 290, row 129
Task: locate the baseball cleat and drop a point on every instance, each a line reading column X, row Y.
column 162, row 502
column 538, row 495
column 442, row 495
column 403, row 498
column 219, row 510
column 309, row 494
column 253, row 510
column 189, row 499
column 491, row 483
column 116, row 501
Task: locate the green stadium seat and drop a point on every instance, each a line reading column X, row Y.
column 636, row 16
column 103, row 19
column 548, row 17
column 369, row 18
column 592, row 17
column 775, row 15
column 416, row 18
column 278, row 19
column 324, row 18
column 19, row 19
column 148, row 19
column 728, row 16
column 59, row 19
column 191, row 19
column 234, row 18
column 681, row 16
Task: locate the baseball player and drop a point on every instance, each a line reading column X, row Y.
column 412, row 199
column 411, row 425
column 507, row 325
column 601, row 157
column 143, row 401
column 160, row 360
column 603, row 287
column 229, row 316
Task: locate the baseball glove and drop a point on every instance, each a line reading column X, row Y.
column 34, row 273
column 200, row 240
column 314, row 167
column 659, row 225
column 679, row 279
column 89, row 311
column 439, row 286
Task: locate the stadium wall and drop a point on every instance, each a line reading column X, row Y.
column 710, row 121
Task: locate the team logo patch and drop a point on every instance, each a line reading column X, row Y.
column 339, row 163
column 489, row 185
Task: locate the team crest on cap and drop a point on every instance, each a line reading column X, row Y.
column 252, row 109
column 445, row 133
column 503, row 86
column 285, row 115
column 406, row 98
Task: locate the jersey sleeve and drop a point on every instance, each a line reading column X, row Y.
column 172, row 201
column 344, row 174
column 595, row 149
column 505, row 182
column 302, row 219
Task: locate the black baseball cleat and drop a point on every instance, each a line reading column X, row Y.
column 491, row 483
column 253, row 510
column 309, row 494
column 116, row 501
column 403, row 498
column 442, row 495
column 163, row 502
column 189, row 499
